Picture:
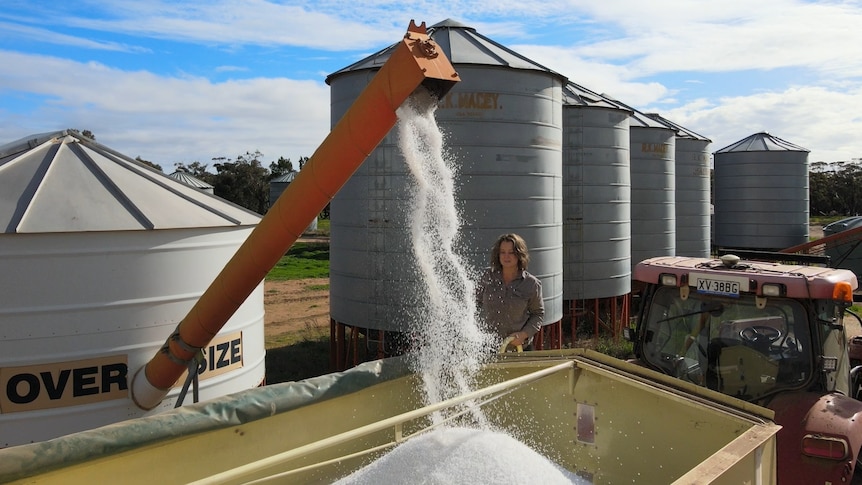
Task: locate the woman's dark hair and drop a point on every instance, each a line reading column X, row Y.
column 520, row 249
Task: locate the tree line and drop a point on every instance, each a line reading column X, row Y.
column 835, row 188
column 242, row 180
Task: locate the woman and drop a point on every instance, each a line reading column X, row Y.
column 509, row 298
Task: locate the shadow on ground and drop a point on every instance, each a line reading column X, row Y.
column 304, row 359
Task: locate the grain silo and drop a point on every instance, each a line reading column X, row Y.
column 653, row 149
column 761, row 194
column 185, row 177
column 692, row 214
column 503, row 125
column 596, row 205
column 102, row 258
column 278, row 185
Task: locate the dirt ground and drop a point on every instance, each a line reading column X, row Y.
column 815, row 231
column 296, row 305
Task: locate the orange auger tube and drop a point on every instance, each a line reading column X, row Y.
column 414, row 62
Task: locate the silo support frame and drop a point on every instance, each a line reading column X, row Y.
column 550, row 337
column 345, row 351
column 608, row 314
column 414, row 62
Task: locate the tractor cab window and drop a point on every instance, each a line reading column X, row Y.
column 728, row 344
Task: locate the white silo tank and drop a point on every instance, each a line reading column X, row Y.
column 102, row 258
column 761, row 194
column 503, row 125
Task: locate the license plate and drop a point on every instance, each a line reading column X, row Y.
column 725, row 286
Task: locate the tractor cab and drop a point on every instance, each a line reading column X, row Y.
column 745, row 328
column 768, row 332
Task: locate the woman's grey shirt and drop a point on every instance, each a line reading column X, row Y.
column 513, row 307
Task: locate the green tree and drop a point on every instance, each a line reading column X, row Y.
column 280, row 167
column 849, row 187
column 835, row 188
column 819, row 196
column 197, row 170
column 243, row 182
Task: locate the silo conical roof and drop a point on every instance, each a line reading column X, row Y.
column 66, row 182
column 285, row 178
column 762, row 142
column 639, row 118
column 681, row 131
column 188, row 179
column 462, row 45
column 577, row 95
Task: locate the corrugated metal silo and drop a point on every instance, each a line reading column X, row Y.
column 761, row 194
column 692, row 215
column 503, row 124
column 596, row 196
column 653, row 153
column 102, row 258
column 278, row 185
column 195, row 182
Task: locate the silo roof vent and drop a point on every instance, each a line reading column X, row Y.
column 762, row 142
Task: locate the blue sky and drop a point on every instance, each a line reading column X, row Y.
column 189, row 81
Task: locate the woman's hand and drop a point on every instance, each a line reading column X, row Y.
column 519, row 338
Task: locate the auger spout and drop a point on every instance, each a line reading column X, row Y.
column 414, row 62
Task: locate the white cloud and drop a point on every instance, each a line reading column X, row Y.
column 659, row 37
column 624, row 49
column 613, row 80
column 19, row 31
column 166, row 119
column 827, row 122
column 255, row 22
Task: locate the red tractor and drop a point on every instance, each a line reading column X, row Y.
column 773, row 333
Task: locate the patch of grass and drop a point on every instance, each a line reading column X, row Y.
column 824, row 220
column 303, row 260
column 621, row 349
column 323, row 226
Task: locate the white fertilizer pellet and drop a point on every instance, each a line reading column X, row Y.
column 462, row 456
